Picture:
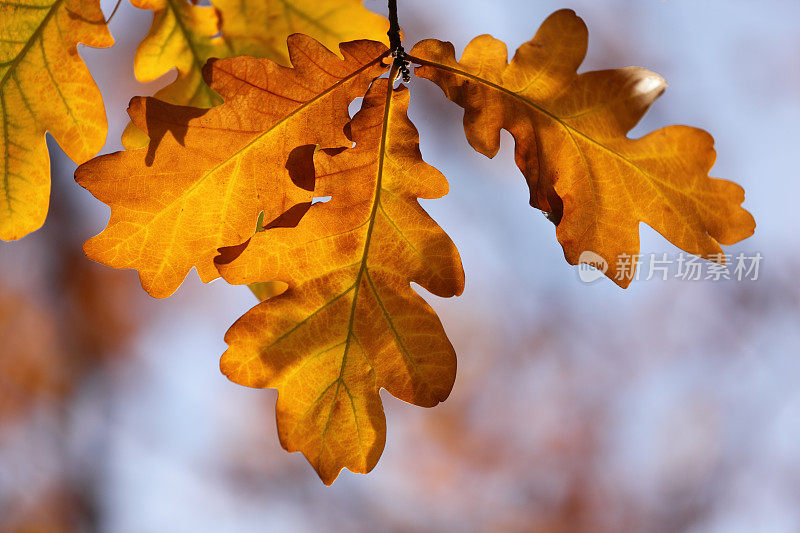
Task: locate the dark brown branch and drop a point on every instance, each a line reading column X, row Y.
column 396, row 43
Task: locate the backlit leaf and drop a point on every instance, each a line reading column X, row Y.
column 350, row 323
column 44, row 86
column 260, row 28
column 571, row 144
column 207, row 174
column 184, row 36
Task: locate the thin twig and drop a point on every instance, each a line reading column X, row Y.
column 396, row 43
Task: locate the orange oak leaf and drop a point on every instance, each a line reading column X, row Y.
column 350, row 323
column 184, row 36
column 207, row 174
column 45, row 86
column 571, row 145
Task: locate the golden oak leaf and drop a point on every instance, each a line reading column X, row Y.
column 44, row 86
column 350, row 323
column 260, row 28
column 571, row 145
column 264, row 290
column 208, row 173
column 184, row 36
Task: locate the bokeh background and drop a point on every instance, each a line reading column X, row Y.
column 671, row 406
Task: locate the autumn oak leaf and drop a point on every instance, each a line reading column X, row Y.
column 328, row 21
column 184, row 36
column 571, row 129
column 279, row 189
column 206, row 175
column 45, row 86
column 350, row 323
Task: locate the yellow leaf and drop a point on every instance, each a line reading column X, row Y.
column 260, row 28
column 184, row 36
column 208, row 173
column 571, row 145
column 264, row 290
column 44, row 86
column 350, row 323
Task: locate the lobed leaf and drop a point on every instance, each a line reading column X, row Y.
column 184, row 36
column 207, row 174
column 260, row 28
column 349, row 322
column 570, row 129
column 45, row 86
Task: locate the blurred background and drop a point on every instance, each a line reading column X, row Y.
column 671, row 406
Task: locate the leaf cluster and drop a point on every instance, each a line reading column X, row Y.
column 222, row 168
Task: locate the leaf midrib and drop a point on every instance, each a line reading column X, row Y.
column 186, row 36
column 364, row 256
column 188, row 192
column 284, row 120
column 547, row 113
